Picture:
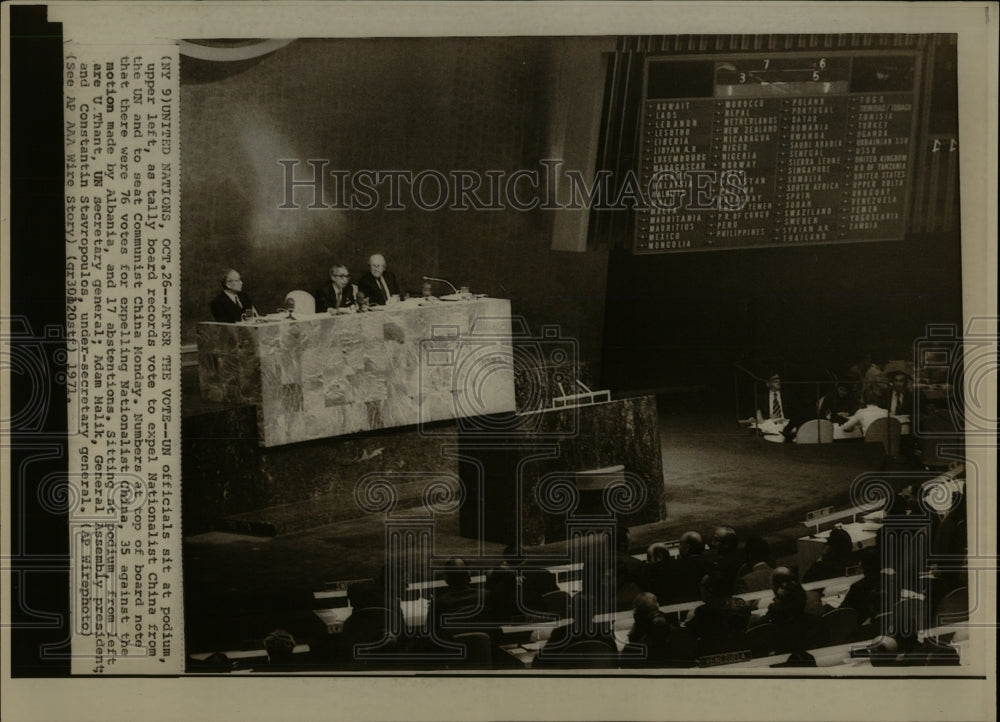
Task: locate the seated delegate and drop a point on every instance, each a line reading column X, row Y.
column 337, row 293
column 378, row 285
column 838, row 405
column 232, row 302
column 864, row 416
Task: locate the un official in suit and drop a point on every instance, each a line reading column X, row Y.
column 337, row 293
column 378, row 284
column 230, row 305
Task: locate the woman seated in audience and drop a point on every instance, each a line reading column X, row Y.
column 838, row 555
column 720, row 623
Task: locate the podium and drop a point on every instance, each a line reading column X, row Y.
column 316, row 376
column 594, row 452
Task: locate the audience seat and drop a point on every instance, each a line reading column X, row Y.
column 762, row 640
column 910, row 616
column 953, row 607
column 557, row 603
column 842, row 625
column 682, row 646
column 875, row 626
column 888, row 432
column 478, row 649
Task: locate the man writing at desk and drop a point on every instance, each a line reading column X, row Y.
column 378, row 284
column 864, row 417
column 230, row 305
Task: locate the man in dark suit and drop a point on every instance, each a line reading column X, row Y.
column 378, row 284
column 900, row 398
column 458, row 596
column 230, row 305
column 337, row 293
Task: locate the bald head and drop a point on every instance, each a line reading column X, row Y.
column 691, row 543
column 724, row 539
column 657, row 552
column 779, row 576
column 376, row 264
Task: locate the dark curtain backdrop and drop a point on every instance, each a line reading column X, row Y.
column 383, row 104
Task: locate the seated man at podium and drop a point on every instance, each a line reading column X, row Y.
column 230, row 305
column 777, row 411
column 337, row 293
column 378, row 284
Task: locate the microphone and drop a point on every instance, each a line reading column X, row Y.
column 441, row 280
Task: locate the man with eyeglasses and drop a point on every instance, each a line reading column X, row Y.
column 337, row 293
column 230, row 305
column 378, row 284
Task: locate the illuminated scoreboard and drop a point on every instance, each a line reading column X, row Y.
column 791, row 149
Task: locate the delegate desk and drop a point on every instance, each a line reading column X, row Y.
column 317, row 375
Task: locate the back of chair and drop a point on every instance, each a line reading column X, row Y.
column 910, row 616
column 953, row 607
column 367, row 625
column 557, row 603
column 478, row 649
column 842, row 624
column 762, row 639
column 815, row 431
column 886, row 431
column 304, row 301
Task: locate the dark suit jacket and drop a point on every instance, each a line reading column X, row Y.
column 906, row 408
column 225, row 311
column 326, row 297
column 371, row 288
column 764, row 403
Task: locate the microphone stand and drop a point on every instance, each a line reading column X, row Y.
column 442, row 280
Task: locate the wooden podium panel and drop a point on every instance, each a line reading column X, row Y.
column 318, row 376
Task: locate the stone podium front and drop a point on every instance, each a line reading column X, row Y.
column 318, row 376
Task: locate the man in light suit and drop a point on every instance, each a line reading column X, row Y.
column 230, row 305
column 378, row 284
column 337, row 293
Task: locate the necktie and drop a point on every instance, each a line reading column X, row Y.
column 775, row 406
column 238, row 302
column 385, row 288
column 338, row 299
